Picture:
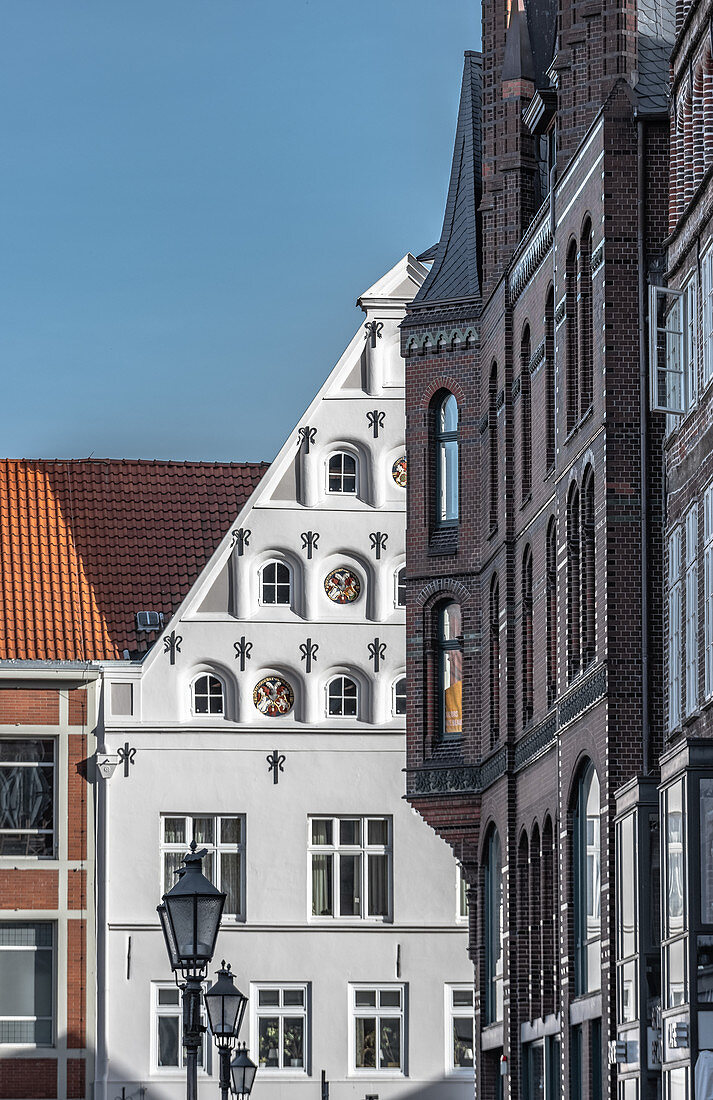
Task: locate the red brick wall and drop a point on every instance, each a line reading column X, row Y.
column 76, row 1079
column 29, row 706
column 76, row 984
column 77, row 789
column 77, row 888
column 22, row 1077
column 78, row 706
column 21, row 889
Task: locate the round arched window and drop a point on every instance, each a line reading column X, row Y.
column 208, row 695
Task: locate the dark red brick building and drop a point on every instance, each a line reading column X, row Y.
column 535, row 555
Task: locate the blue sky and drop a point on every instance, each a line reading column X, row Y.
column 193, row 194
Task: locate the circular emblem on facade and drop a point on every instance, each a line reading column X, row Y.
column 398, row 472
column 273, row 696
column 342, row 586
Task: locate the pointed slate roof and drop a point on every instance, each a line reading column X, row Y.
column 455, row 266
column 518, row 63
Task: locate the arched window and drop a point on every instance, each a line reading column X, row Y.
column 400, row 696
column 342, row 471
column 342, row 697
column 208, row 695
column 535, row 925
column 447, row 461
column 275, row 583
column 450, row 670
column 493, row 445
column 572, row 339
column 586, row 864
column 522, row 915
column 551, row 611
column 585, row 318
column 525, row 415
column 401, row 587
column 494, row 661
column 550, row 968
column 588, row 594
column 550, row 379
column 527, row 654
column 493, row 920
column 573, row 584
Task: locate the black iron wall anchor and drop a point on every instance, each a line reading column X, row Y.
column 374, row 330
column 243, row 651
column 308, row 652
column 376, row 418
column 378, row 540
column 126, row 755
column 241, row 539
column 172, row 645
column 309, row 542
column 307, row 437
column 275, row 764
column 377, row 652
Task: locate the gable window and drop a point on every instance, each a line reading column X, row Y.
column 377, row 1014
column 342, row 473
column 275, row 583
column 493, row 919
column 280, row 1020
column 450, row 670
column 342, row 698
column 168, row 1028
column 27, row 965
column 400, row 696
column 459, row 1028
column 27, row 777
column 208, row 695
column 447, row 461
column 351, row 866
column 587, row 883
column 401, row 587
column 224, row 837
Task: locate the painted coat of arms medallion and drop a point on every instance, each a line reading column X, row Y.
column 273, row 696
column 398, row 472
column 342, row 586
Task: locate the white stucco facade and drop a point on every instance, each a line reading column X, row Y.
column 346, row 922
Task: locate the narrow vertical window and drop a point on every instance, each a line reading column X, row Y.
column 450, row 670
column 573, row 584
column 342, row 473
column 527, row 677
column 525, row 415
column 691, row 609
column 447, row 461
column 550, row 968
column 588, row 571
column 551, row 611
column 690, row 347
column 550, row 380
column 708, row 590
column 493, row 445
column 585, row 319
column 572, row 338
column 674, row 629
column 707, row 295
column 494, row 661
column 587, row 883
column 493, row 919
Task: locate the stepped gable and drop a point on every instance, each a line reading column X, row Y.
column 455, row 270
column 85, row 544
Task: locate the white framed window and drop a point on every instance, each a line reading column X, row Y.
column 691, row 586
column 281, row 1023
column 342, row 473
column 399, row 704
column 666, row 340
column 690, row 343
column 27, row 797
column 708, row 590
column 351, row 868
column 276, row 583
column 224, row 837
column 707, row 318
column 167, row 1012
column 208, row 695
column 27, row 978
column 462, row 895
column 377, row 1028
column 342, row 697
column 400, row 595
column 459, row 1016
column 674, row 629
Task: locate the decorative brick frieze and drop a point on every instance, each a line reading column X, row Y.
column 530, row 258
column 583, row 696
column 541, row 738
column 537, row 357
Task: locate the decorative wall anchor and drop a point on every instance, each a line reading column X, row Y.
column 377, row 652
column 172, row 645
column 373, row 331
column 309, row 541
column 241, row 538
column 275, row 764
column 308, row 651
column 307, row 437
column 243, row 650
column 378, row 540
column 376, row 420
column 126, row 755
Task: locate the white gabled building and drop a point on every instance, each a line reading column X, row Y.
column 268, row 723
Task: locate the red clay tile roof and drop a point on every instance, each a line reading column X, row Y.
column 86, row 543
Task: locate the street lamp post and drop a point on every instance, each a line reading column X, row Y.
column 190, row 918
column 225, row 1006
column 243, row 1070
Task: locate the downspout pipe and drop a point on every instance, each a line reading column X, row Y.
column 643, row 439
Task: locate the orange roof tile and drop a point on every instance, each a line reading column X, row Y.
column 86, row 543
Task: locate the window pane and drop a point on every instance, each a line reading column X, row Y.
column 463, row 997
column 269, row 997
column 378, row 885
column 203, row 831
column 322, row 904
column 674, row 852
column 462, row 1042
column 451, row 627
column 707, row 851
column 293, row 1048
column 321, row 831
column 449, row 480
column 230, row 881
column 17, row 983
column 365, row 1043
column 390, row 998
column 293, row 997
column 168, row 996
column 350, row 831
column 168, row 1041
column 452, row 675
column 378, row 831
column 449, row 415
column 705, row 969
column 627, row 906
column 365, row 998
column 350, row 885
column 269, row 1041
column 171, row 862
column 231, row 830
column 390, row 1044
column 174, row 830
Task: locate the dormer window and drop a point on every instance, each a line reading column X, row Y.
column 208, row 696
column 342, row 471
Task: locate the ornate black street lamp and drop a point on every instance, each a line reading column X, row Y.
column 190, row 918
column 225, row 1006
column 243, row 1071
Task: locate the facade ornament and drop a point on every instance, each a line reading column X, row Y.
column 307, row 437
column 342, row 585
column 309, row 542
column 243, row 651
column 172, row 645
column 273, row 696
column 275, row 764
column 308, row 653
column 377, row 652
column 376, row 418
column 241, row 539
column 378, row 540
column 373, row 331
column 126, row 755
